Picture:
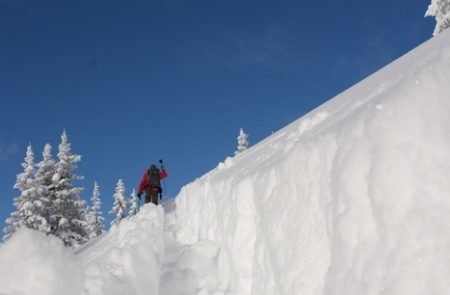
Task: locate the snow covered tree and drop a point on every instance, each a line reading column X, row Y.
column 95, row 217
column 243, row 143
column 25, row 183
column 45, row 187
column 68, row 212
column 134, row 204
column 440, row 9
column 120, row 202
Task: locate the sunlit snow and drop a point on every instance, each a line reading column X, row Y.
column 351, row 199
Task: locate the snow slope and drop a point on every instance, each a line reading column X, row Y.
column 138, row 256
column 352, row 198
column 33, row 263
column 349, row 199
column 126, row 259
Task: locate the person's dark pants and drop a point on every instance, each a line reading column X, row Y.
column 151, row 195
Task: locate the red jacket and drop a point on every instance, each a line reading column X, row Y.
column 144, row 180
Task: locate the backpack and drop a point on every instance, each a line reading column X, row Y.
column 153, row 178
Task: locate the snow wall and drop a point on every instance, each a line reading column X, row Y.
column 124, row 260
column 127, row 258
column 352, row 198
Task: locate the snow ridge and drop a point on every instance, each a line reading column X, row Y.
column 350, row 199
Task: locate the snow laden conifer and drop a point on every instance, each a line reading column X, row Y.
column 68, row 212
column 243, row 143
column 134, row 204
column 95, row 217
column 440, row 9
column 45, row 187
column 24, row 215
column 120, row 202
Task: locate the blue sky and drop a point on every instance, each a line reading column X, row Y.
column 135, row 81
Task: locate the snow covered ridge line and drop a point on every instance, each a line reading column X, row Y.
column 353, row 200
column 366, row 94
column 125, row 260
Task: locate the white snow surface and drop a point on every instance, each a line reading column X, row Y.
column 33, row 263
column 351, row 199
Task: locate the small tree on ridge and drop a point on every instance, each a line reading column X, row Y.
column 243, row 143
column 120, row 202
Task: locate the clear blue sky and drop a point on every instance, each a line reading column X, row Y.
column 136, row 81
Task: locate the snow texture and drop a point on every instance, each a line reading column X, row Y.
column 34, row 263
column 126, row 259
column 440, row 9
column 350, row 199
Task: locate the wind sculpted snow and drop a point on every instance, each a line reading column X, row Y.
column 350, row 199
column 140, row 255
column 33, row 263
column 127, row 259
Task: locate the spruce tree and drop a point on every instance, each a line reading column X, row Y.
column 243, row 143
column 95, row 218
column 120, row 202
column 440, row 9
column 134, row 204
column 45, row 187
column 68, row 212
column 25, row 183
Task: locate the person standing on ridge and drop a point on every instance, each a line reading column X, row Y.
column 151, row 183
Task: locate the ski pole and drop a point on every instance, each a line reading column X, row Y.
column 164, row 181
